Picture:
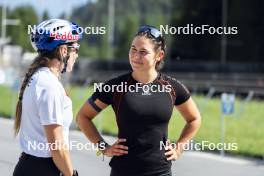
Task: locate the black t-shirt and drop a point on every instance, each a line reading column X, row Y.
column 142, row 116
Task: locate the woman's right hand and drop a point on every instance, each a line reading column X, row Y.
column 116, row 149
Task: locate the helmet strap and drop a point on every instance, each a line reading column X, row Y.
column 65, row 61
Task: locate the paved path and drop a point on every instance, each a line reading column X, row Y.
column 87, row 163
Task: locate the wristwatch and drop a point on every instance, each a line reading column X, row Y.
column 75, row 173
column 102, row 145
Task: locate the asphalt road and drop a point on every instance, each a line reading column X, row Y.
column 87, row 163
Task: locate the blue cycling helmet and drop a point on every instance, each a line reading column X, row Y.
column 54, row 32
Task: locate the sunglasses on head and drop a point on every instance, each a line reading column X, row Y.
column 154, row 32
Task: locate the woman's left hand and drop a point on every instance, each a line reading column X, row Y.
column 172, row 153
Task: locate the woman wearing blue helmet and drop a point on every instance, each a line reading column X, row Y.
column 44, row 111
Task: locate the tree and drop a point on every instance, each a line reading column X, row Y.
column 128, row 16
column 20, row 34
column 45, row 15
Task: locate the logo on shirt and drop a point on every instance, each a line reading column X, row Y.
column 146, row 90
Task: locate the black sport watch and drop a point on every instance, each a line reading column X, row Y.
column 75, row 173
column 102, row 145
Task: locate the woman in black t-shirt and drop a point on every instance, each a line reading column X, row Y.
column 143, row 102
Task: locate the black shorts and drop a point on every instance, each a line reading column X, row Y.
column 115, row 173
column 29, row 165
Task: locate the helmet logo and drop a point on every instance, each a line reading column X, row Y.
column 65, row 36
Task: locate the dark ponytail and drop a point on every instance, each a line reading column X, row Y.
column 40, row 61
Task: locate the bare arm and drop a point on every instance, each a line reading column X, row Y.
column 60, row 155
column 191, row 115
column 84, row 121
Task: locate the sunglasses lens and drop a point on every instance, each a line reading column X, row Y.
column 75, row 46
column 143, row 29
column 156, row 33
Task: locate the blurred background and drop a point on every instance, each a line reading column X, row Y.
column 208, row 65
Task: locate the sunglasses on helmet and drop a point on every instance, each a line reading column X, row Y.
column 75, row 46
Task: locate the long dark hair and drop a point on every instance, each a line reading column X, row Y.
column 40, row 61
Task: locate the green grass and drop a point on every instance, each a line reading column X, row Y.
column 247, row 130
column 7, row 101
